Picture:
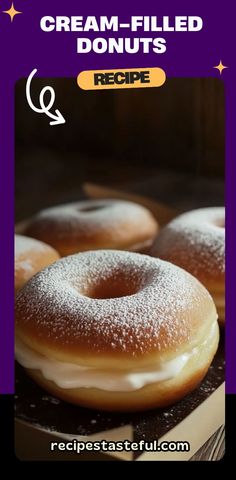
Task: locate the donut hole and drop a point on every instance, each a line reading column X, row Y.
column 91, row 208
column 112, row 288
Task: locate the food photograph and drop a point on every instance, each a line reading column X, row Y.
column 120, row 273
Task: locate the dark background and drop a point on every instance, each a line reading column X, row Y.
column 165, row 142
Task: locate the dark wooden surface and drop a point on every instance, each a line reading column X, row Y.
column 179, row 126
column 173, row 135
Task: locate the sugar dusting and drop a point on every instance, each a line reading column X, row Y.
column 167, row 298
column 196, row 238
column 89, row 216
column 25, row 244
column 25, row 249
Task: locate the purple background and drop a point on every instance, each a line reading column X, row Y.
column 23, row 46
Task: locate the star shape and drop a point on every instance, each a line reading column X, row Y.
column 220, row 67
column 11, row 12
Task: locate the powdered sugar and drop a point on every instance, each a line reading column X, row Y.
column 195, row 241
column 25, row 249
column 161, row 298
column 93, row 224
column 25, row 266
column 30, row 256
column 25, row 244
column 91, row 213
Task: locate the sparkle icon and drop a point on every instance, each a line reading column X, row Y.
column 11, row 12
column 220, row 67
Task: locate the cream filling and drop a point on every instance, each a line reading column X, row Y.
column 69, row 375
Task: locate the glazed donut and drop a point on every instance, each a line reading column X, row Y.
column 195, row 241
column 116, row 330
column 31, row 256
column 91, row 225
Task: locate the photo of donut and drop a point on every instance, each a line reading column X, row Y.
column 120, row 270
column 196, row 242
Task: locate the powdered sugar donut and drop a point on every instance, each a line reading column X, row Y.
column 195, row 241
column 90, row 225
column 116, row 330
column 31, row 256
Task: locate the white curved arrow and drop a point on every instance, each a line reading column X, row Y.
column 57, row 116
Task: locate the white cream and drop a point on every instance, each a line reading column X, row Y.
column 68, row 375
